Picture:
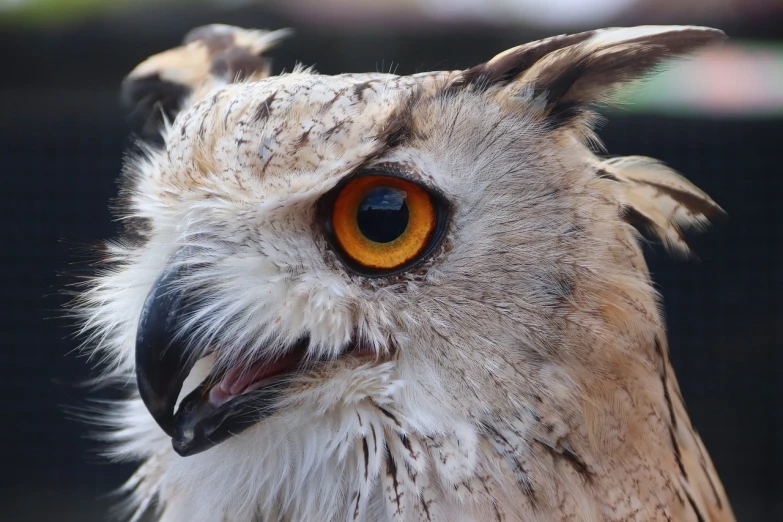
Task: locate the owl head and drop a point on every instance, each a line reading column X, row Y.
column 333, row 287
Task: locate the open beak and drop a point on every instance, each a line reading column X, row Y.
column 163, row 363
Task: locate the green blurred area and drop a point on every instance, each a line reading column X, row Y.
column 53, row 12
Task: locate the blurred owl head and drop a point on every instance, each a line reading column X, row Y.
column 370, row 296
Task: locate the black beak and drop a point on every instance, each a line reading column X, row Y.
column 163, row 364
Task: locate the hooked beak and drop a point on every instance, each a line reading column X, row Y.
column 163, row 363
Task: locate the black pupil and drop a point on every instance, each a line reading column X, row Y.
column 383, row 214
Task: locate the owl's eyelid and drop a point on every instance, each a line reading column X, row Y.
column 394, row 169
column 405, row 171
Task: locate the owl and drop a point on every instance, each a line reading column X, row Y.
column 371, row 297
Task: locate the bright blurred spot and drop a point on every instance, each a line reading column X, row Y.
column 551, row 13
column 737, row 79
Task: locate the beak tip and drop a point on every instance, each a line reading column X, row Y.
column 158, row 407
column 182, row 446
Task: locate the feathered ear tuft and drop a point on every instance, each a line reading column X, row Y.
column 574, row 70
column 659, row 199
column 159, row 86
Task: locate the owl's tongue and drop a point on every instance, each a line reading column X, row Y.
column 243, row 379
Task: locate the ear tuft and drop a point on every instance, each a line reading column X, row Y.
column 658, row 198
column 211, row 54
column 588, row 72
column 571, row 71
column 509, row 64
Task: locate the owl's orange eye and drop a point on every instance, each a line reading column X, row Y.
column 383, row 223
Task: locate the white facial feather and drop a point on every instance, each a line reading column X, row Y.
column 519, row 372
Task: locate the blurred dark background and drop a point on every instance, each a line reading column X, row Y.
column 719, row 120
